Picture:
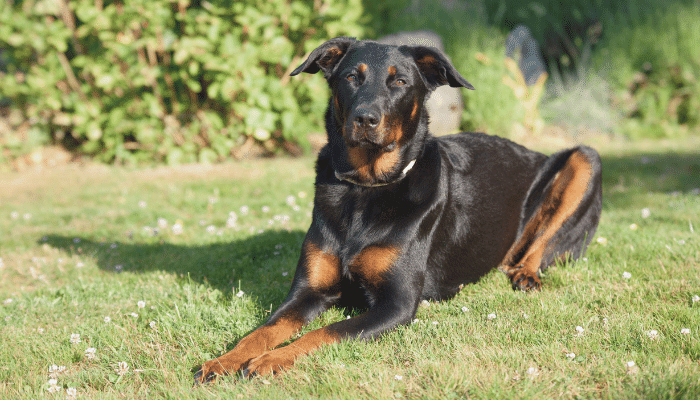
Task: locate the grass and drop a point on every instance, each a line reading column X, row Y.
column 78, row 245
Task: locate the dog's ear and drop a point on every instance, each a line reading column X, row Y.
column 435, row 67
column 325, row 57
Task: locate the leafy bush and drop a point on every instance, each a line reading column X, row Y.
column 170, row 80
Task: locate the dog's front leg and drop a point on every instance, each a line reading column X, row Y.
column 313, row 291
column 300, row 307
column 395, row 304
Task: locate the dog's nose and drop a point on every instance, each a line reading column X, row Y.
column 366, row 118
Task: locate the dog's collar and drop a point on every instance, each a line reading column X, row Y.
column 403, row 175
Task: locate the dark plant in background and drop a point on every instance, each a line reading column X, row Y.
column 167, row 80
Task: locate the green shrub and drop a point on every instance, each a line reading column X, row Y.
column 174, row 81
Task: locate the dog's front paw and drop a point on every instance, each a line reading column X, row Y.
column 525, row 280
column 271, row 362
column 212, row 369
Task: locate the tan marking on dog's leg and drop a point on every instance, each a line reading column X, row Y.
column 258, row 342
column 284, row 357
column 564, row 197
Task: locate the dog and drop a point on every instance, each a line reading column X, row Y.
column 401, row 216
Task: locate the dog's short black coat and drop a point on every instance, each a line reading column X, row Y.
column 401, row 216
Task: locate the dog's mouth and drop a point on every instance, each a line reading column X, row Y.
column 371, row 146
column 370, row 164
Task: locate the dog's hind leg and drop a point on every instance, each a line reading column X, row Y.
column 559, row 216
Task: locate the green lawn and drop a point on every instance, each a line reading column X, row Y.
column 81, row 246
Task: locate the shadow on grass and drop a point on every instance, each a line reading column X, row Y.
column 263, row 264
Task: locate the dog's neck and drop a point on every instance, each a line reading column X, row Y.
column 358, row 183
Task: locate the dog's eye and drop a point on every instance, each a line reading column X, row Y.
column 400, row 82
column 351, row 77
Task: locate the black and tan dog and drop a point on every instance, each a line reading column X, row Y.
column 401, row 216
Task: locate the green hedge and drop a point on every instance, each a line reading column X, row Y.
column 166, row 80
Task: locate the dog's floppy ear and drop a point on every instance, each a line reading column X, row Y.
column 435, row 68
column 325, row 57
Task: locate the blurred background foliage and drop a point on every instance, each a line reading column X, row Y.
column 179, row 81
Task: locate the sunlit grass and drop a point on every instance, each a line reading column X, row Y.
column 83, row 253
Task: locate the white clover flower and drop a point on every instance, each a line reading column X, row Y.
column 631, row 367
column 579, row 330
column 53, row 386
column 491, row 316
column 133, row 314
column 75, row 338
column 244, row 210
column 40, row 330
column 634, row 227
column 232, row 220
column 108, row 320
column 653, row 334
column 646, row 213
column 626, row 275
column 533, row 371
column 685, row 331
column 122, row 368
column 162, row 223
column 211, row 229
column 435, row 323
column 285, row 273
column 415, row 321
column 7, row 302
column 398, row 377
column 177, row 228
column 90, row 353
column 465, row 309
column 240, row 294
column 571, row 355
column 265, row 209
column 152, row 324
column 425, row 303
column 291, row 200
column 602, row 240
column 143, row 204
column 14, row 215
column 79, row 264
column 695, row 299
column 71, row 393
column 141, row 304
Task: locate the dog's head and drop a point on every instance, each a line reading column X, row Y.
column 376, row 122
